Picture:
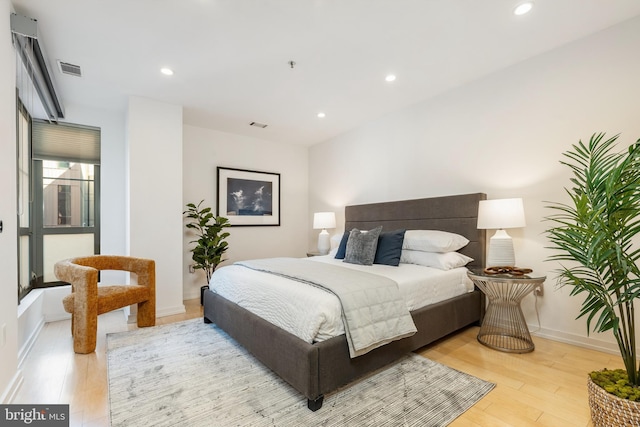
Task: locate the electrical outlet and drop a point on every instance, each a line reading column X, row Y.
column 191, row 269
column 539, row 290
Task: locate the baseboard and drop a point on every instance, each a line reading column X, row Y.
column 29, row 343
column 170, row 311
column 577, row 340
column 56, row 317
column 14, row 385
column 191, row 294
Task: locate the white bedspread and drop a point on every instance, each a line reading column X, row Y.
column 313, row 314
column 373, row 311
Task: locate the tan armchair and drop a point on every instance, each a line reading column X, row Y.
column 88, row 300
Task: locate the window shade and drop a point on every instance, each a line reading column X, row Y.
column 65, row 142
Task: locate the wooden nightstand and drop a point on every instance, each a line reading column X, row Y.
column 504, row 327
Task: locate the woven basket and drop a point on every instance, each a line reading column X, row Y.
column 608, row 410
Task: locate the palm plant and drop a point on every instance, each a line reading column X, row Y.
column 595, row 234
column 210, row 245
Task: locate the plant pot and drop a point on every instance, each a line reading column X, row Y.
column 608, row 410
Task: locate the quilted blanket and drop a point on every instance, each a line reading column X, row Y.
column 373, row 310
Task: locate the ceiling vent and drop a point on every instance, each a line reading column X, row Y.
column 258, row 125
column 70, row 69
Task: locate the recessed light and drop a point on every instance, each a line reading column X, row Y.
column 390, row 78
column 166, row 71
column 321, row 115
column 523, row 8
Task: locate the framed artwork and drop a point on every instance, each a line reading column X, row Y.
column 248, row 197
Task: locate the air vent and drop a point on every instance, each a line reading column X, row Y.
column 258, row 125
column 70, row 69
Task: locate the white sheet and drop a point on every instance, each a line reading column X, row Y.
column 313, row 314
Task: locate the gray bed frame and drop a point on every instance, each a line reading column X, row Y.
column 319, row 368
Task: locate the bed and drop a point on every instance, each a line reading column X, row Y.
column 315, row 369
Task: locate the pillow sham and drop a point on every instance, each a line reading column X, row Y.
column 433, row 241
column 361, row 246
column 389, row 248
column 441, row 260
column 342, row 247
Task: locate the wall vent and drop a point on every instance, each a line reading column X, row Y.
column 70, row 69
column 258, row 125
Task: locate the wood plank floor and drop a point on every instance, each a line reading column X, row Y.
column 544, row 388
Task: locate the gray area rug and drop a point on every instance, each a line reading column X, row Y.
column 193, row 374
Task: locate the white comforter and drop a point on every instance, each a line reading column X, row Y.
column 313, row 314
column 373, row 311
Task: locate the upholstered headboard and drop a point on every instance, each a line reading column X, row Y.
column 456, row 214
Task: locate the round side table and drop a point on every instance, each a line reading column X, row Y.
column 504, row 327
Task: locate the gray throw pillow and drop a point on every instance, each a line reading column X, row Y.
column 361, row 246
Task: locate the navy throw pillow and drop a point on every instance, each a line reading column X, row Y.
column 389, row 248
column 342, row 248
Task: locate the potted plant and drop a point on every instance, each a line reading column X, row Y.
column 210, row 243
column 595, row 235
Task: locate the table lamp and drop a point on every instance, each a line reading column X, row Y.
column 500, row 214
column 324, row 220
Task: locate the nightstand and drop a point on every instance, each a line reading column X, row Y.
column 504, row 327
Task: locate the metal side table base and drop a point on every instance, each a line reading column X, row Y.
column 504, row 327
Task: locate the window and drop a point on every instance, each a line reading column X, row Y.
column 68, row 194
column 64, row 200
column 64, row 205
column 25, row 237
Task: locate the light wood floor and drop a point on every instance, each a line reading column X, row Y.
column 545, row 388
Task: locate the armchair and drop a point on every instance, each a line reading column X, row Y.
column 88, row 300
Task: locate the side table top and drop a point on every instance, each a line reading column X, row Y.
column 480, row 274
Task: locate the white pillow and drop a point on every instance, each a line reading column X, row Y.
column 443, row 261
column 335, row 242
column 433, row 241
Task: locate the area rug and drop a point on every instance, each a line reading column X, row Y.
column 193, row 374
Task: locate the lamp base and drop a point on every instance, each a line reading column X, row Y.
column 324, row 243
column 501, row 250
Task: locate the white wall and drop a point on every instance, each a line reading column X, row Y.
column 154, row 142
column 9, row 375
column 203, row 151
column 502, row 135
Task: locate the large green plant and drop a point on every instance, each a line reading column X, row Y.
column 210, row 245
column 595, row 234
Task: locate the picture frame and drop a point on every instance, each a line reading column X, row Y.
column 247, row 197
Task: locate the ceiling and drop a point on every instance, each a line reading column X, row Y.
column 231, row 57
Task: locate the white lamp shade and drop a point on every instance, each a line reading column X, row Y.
column 322, row 220
column 501, row 213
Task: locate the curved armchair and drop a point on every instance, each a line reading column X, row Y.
column 88, row 300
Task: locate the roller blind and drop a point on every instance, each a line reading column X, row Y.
column 65, row 142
